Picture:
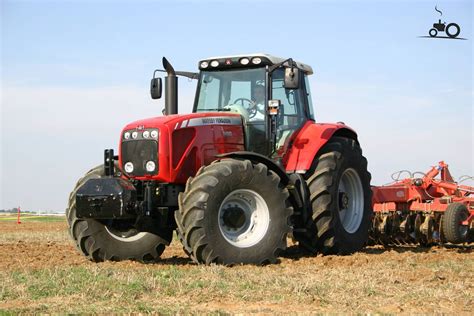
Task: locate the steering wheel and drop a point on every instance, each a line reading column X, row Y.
column 237, row 108
column 251, row 106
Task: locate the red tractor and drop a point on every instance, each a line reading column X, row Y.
column 247, row 169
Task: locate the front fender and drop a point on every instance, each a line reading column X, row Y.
column 255, row 157
column 309, row 140
column 294, row 183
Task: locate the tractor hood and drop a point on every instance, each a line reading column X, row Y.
column 186, row 120
column 171, row 148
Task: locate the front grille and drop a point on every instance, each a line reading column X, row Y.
column 139, row 152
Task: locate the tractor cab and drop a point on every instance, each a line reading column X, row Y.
column 270, row 93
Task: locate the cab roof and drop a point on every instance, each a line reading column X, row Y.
column 237, row 61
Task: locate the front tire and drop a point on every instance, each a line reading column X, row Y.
column 112, row 240
column 234, row 212
column 340, row 198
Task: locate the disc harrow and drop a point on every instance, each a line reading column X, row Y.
column 423, row 210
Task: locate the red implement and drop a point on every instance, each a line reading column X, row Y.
column 423, row 209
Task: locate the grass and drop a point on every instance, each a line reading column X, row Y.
column 151, row 290
column 183, row 289
column 14, row 237
column 33, row 218
column 34, row 229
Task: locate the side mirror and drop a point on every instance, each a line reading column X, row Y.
column 155, row 88
column 292, row 78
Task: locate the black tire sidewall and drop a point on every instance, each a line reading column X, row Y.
column 108, row 246
column 346, row 241
column 336, row 156
column 455, row 213
column 261, row 184
column 435, row 32
column 95, row 241
column 458, row 30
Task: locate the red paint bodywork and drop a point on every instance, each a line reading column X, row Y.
column 183, row 149
column 307, row 143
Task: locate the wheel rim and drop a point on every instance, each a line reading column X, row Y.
column 243, row 218
column 351, row 200
column 123, row 233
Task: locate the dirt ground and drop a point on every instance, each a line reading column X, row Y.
column 40, row 245
column 38, row 254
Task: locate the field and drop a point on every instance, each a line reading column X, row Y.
column 42, row 272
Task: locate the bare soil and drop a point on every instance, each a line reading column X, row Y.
column 377, row 279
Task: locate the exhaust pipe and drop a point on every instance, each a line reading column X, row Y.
column 171, row 89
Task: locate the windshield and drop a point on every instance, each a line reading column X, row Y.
column 221, row 90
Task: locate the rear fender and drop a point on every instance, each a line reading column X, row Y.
column 310, row 139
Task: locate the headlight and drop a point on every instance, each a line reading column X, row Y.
column 214, row 63
column 154, row 134
column 134, row 135
column 146, row 134
column 126, row 135
column 204, row 64
column 129, row 167
column 150, row 166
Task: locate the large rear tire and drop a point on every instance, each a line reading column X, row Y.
column 341, row 198
column 112, row 240
column 455, row 33
column 234, row 212
column 453, row 230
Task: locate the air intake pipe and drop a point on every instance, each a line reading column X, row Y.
column 171, row 89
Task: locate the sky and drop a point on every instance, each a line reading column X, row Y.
column 73, row 73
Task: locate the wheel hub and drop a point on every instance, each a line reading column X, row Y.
column 243, row 218
column 234, row 217
column 343, row 201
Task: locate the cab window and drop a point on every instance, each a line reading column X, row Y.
column 291, row 114
column 309, row 98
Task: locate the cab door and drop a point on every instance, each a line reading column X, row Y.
column 292, row 112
